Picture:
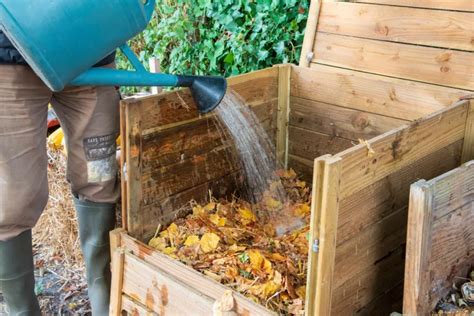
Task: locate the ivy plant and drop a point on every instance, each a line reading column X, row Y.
column 227, row 37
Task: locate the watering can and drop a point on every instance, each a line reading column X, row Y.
column 62, row 39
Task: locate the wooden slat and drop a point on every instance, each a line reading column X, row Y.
column 123, row 161
column 373, row 203
column 326, row 236
column 310, row 33
column 400, row 147
column 437, row 28
column 134, row 308
column 284, row 72
column 468, row 147
column 133, row 168
column 339, row 121
column 115, row 307
column 160, row 292
column 460, row 5
column 396, row 98
column 310, row 145
column 192, row 278
column 440, row 239
column 427, row 64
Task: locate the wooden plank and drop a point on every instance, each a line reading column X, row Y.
column 327, row 237
column 310, row 145
column 433, row 65
column 314, row 232
column 370, row 288
column 459, row 5
column 192, row 278
column 339, row 121
column 396, row 98
column 115, row 307
column 448, row 29
column 370, row 205
column 123, row 162
column 134, row 308
column 400, row 147
column 310, row 33
column 452, row 251
column 468, row 147
column 160, row 292
column 167, row 210
column 284, row 72
column 440, row 239
column 133, row 168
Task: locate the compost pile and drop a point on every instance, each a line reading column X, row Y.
column 259, row 250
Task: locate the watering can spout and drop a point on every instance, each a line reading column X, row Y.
column 207, row 91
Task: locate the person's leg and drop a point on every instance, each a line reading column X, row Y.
column 90, row 119
column 23, row 181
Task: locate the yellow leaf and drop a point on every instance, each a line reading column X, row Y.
column 158, row 243
column 198, row 210
column 210, row 206
column 169, row 250
column 301, row 292
column 56, row 138
column 265, row 290
column 258, row 262
column 209, row 242
column 191, row 240
column 247, row 216
column 300, row 184
column 235, row 248
column 217, row 220
column 172, row 229
column 302, row 210
column 271, row 203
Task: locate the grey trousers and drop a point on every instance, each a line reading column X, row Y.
column 89, row 117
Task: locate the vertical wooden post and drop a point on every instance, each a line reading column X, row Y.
column 154, row 64
column 310, row 33
column 323, row 228
column 115, row 307
column 417, row 249
column 123, row 163
column 284, row 73
column 468, row 145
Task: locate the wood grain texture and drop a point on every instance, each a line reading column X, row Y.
column 310, row 145
column 339, row 121
column 160, row 292
column 426, row 64
column 400, row 147
column 192, row 278
column 468, row 147
column 310, row 32
column 283, row 113
column 391, row 97
column 370, row 205
column 448, row 29
column 461, row 5
column 302, row 166
column 440, row 244
column 326, row 234
column 134, row 308
column 117, row 264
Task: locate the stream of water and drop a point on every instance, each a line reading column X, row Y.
column 257, row 152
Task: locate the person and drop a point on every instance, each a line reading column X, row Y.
column 89, row 116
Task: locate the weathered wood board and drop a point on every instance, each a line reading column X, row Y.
column 374, row 109
column 440, row 240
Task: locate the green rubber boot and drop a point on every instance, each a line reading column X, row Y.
column 96, row 220
column 17, row 279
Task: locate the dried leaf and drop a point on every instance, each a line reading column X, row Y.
column 271, row 203
column 191, row 240
column 209, row 242
column 247, row 216
column 169, row 250
column 217, row 220
column 158, row 243
column 302, row 210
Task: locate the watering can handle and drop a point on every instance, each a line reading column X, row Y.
column 207, row 91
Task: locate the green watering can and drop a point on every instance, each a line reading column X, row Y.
column 62, row 39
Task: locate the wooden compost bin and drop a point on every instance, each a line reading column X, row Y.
column 440, row 240
column 390, row 75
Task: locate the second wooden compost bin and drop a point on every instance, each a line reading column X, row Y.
column 412, row 125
